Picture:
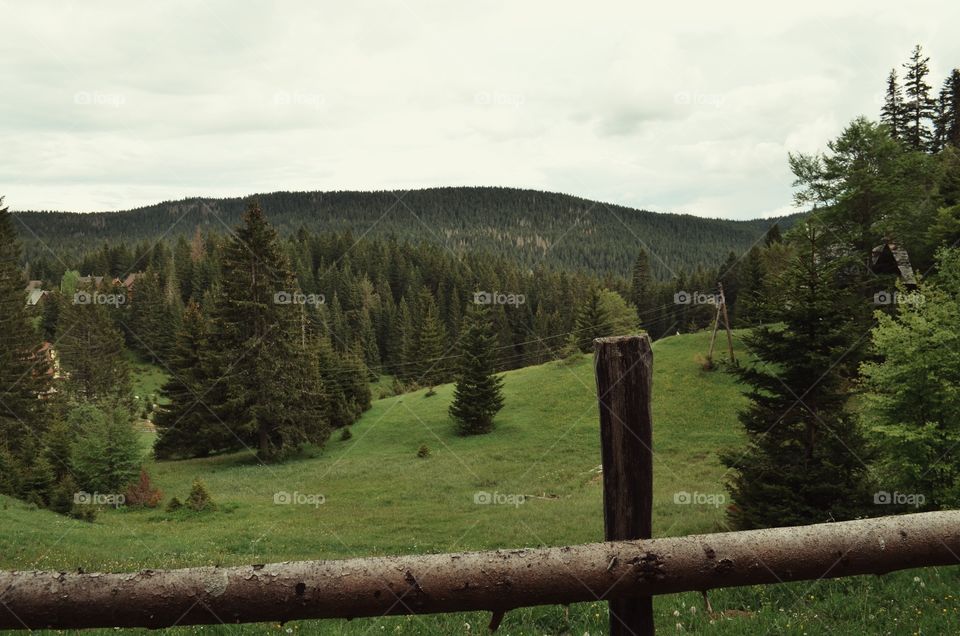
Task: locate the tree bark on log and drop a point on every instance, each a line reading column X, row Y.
column 496, row 581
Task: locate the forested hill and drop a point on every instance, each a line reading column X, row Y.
column 528, row 225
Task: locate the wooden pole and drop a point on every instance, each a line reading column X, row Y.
column 494, row 581
column 624, row 371
column 726, row 322
column 713, row 336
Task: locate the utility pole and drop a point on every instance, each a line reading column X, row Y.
column 726, row 323
column 713, row 336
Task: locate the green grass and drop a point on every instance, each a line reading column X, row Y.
column 380, row 498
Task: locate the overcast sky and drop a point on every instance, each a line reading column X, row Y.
column 670, row 106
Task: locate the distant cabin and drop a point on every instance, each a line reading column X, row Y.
column 34, row 296
column 889, row 258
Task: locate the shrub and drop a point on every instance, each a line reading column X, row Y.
column 423, row 452
column 84, row 513
column 174, row 505
column 199, row 498
column 143, row 493
column 345, row 434
column 61, row 500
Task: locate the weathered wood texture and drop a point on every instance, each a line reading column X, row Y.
column 498, row 580
column 624, row 372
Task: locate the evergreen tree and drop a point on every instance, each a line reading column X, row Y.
column 186, row 426
column 477, row 396
column 92, row 352
column 431, row 368
column 273, row 396
column 592, row 321
column 750, row 303
column 773, row 235
column 947, row 129
column 22, row 370
column 804, row 462
column 893, row 112
column 149, row 329
column 106, row 454
column 405, row 343
column 641, row 288
column 918, row 106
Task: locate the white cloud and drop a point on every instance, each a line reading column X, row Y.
column 687, row 107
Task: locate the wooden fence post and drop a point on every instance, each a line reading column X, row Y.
column 624, row 371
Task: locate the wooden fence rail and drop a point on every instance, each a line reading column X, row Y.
column 496, row 581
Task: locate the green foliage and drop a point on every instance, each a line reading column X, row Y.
column 199, row 499
column 621, row 318
column 478, row 393
column 423, row 452
column 92, row 351
column 593, row 321
column 461, row 216
column 807, row 459
column 271, row 394
column 106, row 453
column 22, row 370
column 345, row 434
column 186, row 424
column 174, row 504
column 914, row 389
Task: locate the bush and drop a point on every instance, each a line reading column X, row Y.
column 143, row 493
column 199, row 498
column 84, row 513
column 423, row 452
column 174, row 505
column 345, row 434
column 61, row 500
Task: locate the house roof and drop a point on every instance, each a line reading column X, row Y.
column 34, row 296
column 889, row 258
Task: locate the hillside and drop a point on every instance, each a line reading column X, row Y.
column 380, row 498
column 530, row 226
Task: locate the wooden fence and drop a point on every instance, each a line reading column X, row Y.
column 626, row 570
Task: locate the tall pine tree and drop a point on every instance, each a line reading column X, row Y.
column 22, row 370
column 805, row 458
column 273, row 395
column 478, row 394
column 893, row 112
column 918, row 106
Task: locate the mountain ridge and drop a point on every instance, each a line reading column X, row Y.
column 537, row 227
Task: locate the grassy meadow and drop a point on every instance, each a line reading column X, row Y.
column 378, row 497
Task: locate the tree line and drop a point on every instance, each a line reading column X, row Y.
column 853, row 390
column 528, row 227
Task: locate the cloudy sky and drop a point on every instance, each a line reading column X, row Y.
column 683, row 106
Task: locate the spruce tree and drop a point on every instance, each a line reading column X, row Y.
column 641, row 288
column 805, row 457
column 948, row 112
column 893, row 112
column 92, row 353
column 431, row 368
column 478, row 395
column 919, row 108
column 592, row 321
column 106, row 453
column 273, row 397
column 22, row 370
column 186, row 426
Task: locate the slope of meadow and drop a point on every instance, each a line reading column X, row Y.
column 379, row 497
